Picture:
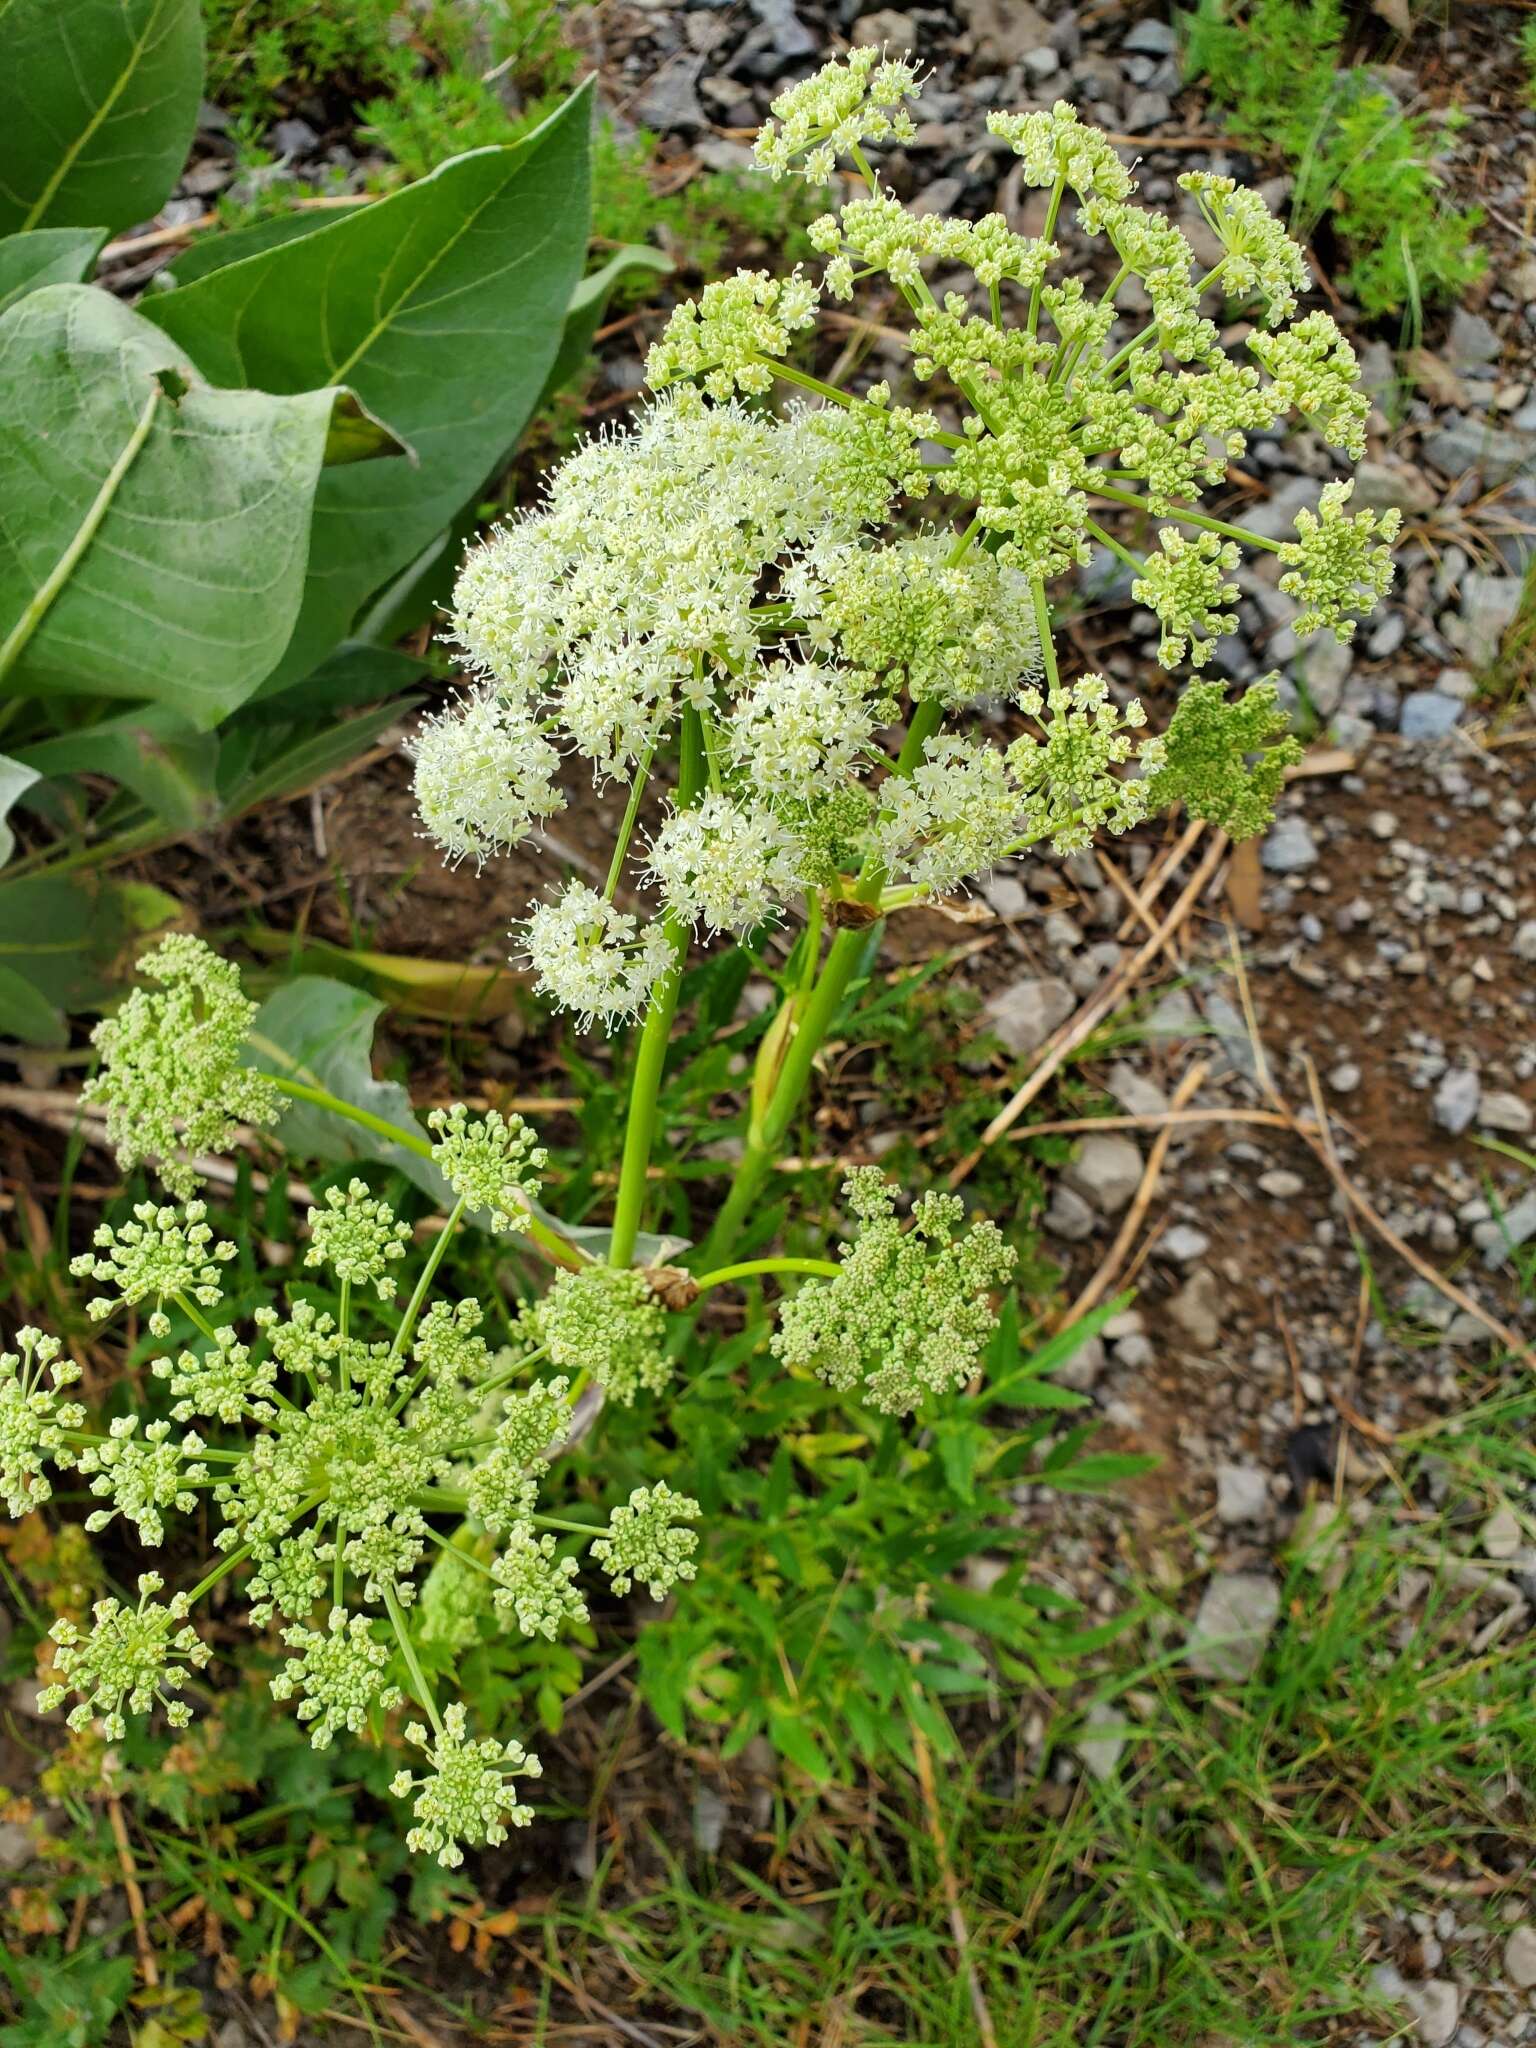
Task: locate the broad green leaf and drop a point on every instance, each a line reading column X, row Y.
column 98, row 104
column 46, row 256
column 68, row 936
column 166, row 762
column 26, row 1013
column 214, row 250
column 588, row 302
column 321, row 1031
column 15, row 779
column 154, row 531
column 443, row 307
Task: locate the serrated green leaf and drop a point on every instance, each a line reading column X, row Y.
column 98, row 105
column 153, row 531
column 46, row 256
column 443, row 306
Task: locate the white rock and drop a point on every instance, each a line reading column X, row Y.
column 1136, row 1093
column 1290, row 847
column 1081, row 1371
column 1106, row 1172
column 1236, row 1615
column 1456, row 1099
column 1196, row 1308
column 1006, row 895
column 1281, row 1184
column 1101, row 1753
column 1184, row 1244
column 1502, row 1110
column 1024, row 1015
column 1069, row 1216
column 1436, row 2008
column 1520, row 1956
column 1242, row 1494
column 1500, row 1534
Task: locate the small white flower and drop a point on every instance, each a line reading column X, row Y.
column 484, row 773
column 594, row 959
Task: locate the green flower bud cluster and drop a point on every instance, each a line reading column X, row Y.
column 34, row 1423
column 357, row 1237
column 646, row 1543
column 347, row 1436
column 910, row 1313
column 171, row 1078
column 162, row 1253
column 1340, row 564
column 492, row 1162
column 466, row 1794
column 1184, row 585
column 338, row 1673
column 605, row 1322
column 860, row 99
column 130, row 1657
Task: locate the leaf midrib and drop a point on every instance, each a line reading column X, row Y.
column 68, row 160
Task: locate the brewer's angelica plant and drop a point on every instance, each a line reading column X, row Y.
column 740, row 598
column 808, row 633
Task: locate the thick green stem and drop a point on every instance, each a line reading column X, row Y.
column 754, row 1269
column 655, row 1036
column 766, row 1133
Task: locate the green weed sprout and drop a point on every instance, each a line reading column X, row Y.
column 737, row 605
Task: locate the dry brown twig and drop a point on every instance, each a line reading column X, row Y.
column 149, row 1969
column 1087, row 1018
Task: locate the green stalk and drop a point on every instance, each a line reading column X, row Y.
column 1108, row 540
column 219, row 1571
column 559, row 1248
column 1189, row 518
column 1058, row 192
column 752, row 1269
column 766, row 1134
column 422, row 1690
column 655, row 1036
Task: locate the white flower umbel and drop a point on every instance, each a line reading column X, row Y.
column 593, row 959
column 484, row 773
column 743, row 592
column 724, row 868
